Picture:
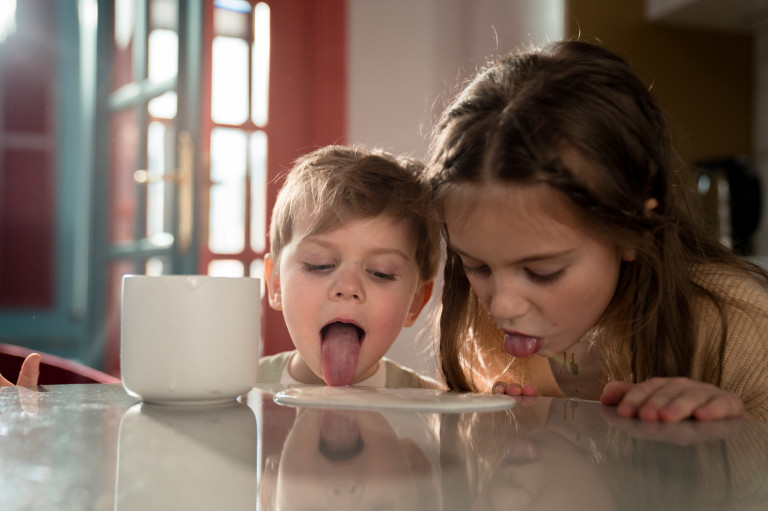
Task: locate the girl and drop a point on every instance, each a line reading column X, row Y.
column 575, row 267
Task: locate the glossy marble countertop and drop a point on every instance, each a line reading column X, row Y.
column 94, row 447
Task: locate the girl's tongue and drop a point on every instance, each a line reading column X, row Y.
column 521, row 346
column 340, row 350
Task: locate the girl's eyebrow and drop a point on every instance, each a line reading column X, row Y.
column 525, row 260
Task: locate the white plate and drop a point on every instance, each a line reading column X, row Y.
column 377, row 398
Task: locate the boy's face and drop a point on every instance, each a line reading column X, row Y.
column 346, row 294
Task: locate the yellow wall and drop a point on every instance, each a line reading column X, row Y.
column 702, row 78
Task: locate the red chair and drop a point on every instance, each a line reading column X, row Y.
column 53, row 370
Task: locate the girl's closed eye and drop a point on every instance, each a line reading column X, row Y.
column 480, row 269
column 544, row 277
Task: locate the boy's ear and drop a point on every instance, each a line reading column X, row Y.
column 272, row 278
column 420, row 299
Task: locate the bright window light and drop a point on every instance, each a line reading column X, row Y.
column 260, row 69
column 225, row 268
column 229, row 89
column 163, row 55
column 7, row 19
column 227, row 192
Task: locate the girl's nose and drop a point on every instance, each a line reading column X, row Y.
column 348, row 286
column 508, row 301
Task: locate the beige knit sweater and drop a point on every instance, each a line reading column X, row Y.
column 745, row 364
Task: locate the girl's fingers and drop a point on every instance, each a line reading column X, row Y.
column 614, row 392
column 502, row 387
column 513, row 389
column 720, row 407
column 525, row 394
column 499, row 387
column 672, row 400
column 682, row 398
column 630, row 398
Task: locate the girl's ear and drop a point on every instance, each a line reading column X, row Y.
column 272, row 278
column 627, row 254
column 420, row 299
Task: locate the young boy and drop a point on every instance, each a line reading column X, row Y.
column 354, row 251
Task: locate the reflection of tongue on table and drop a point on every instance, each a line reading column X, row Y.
column 340, row 438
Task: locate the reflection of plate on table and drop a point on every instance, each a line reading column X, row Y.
column 377, row 398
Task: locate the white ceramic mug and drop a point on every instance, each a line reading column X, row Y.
column 189, row 339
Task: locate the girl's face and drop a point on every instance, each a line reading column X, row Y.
column 544, row 278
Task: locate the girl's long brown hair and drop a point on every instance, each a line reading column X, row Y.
column 512, row 124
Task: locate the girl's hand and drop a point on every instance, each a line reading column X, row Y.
column 513, row 389
column 672, row 400
column 29, row 374
column 689, row 432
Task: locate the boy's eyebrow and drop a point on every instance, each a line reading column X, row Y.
column 375, row 251
column 395, row 251
column 525, row 260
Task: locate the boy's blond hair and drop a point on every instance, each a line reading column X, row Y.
column 337, row 184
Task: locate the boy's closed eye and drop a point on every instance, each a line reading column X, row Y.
column 318, row 267
column 329, row 267
column 382, row 275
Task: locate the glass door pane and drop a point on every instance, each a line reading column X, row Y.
column 238, row 139
column 151, row 154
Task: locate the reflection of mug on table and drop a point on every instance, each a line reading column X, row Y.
column 187, row 457
column 189, row 338
column 342, row 459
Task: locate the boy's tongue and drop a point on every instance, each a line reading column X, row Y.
column 521, row 346
column 340, row 351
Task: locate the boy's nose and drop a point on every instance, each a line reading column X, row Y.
column 348, row 286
